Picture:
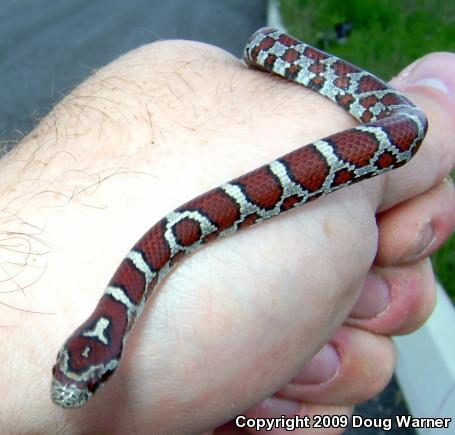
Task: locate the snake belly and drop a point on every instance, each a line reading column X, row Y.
column 390, row 132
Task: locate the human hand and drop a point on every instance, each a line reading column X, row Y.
column 235, row 322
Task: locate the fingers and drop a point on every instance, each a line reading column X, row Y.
column 398, row 298
column 416, row 228
column 395, row 300
column 432, row 88
column 365, row 364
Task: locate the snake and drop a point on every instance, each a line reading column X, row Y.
column 389, row 133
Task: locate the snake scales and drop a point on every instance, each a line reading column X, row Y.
column 390, row 132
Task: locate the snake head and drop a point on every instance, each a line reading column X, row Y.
column 70, row 389
column 86, row 360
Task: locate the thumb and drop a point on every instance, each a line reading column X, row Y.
column 430, row 83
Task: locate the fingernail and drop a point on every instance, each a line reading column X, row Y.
column 423, row 240
column 323, row 367
column 436, row 70
column 374, row 297
column 276, row 407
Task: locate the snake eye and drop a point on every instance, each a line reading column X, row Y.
column 106, row 376
column 95, row 383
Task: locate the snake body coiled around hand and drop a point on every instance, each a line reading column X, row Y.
column 390, row 133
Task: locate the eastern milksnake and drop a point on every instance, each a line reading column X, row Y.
column 390, row 133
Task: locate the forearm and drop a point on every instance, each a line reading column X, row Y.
column 116, row 155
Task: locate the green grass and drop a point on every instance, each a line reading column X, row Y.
column 386, row 36
column 444, row 266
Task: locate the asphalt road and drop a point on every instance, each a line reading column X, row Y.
column 48, row 47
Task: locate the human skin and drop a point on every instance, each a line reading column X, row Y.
column 235, row 322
